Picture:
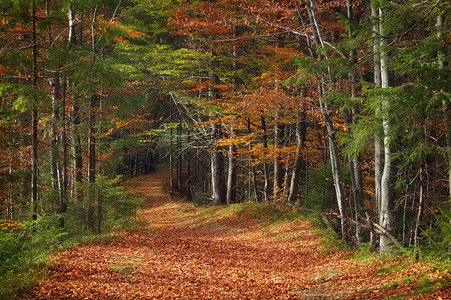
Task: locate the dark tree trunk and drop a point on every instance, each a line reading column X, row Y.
column 299, row 162
column 265, row 163
column 92, row 161
column 217, row 170
column 278, row 167
column 34, row 125
column 252, row 166
column 63, row 195
column 76, row 149
column 179, row 157
column 231, row 177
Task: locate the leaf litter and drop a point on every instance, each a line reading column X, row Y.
column 185, row 253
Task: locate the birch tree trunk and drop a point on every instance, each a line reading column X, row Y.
column 420, row 211
column 75, row 116
column 325, row 111
column 335, row 164
column 378, row 154
column 56, row 95
column 387, row 205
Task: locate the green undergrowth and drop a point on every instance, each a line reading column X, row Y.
column 331, row 240
column 26, row 247
column 395, row 262
column 270, row 214
column 266, row 212
column 422, row 286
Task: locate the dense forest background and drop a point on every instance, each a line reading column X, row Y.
column 338, row 106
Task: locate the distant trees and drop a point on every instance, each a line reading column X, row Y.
column 340, row 75
column 338, row 104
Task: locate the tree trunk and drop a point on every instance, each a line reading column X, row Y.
column 335, row 164
column 171, row 151
column 387, row 205
column 34, row 125
column 420, row 211
column 178, row 164
column 299, row 162
column 217, row 170
column 76, row 149
column 288, row 170
column 354, row 162
column 252, row 166
column 446, row 103
column 71, row 20
column 56, row 95
column 63, row 195
column 356, row 181
column 278, row 167
column 378, row 154
column 75, row 116
column 265, row 163
column 231, row 177
column 325, row 111
column 92, row 161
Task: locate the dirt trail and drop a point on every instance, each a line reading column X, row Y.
column 181, row 255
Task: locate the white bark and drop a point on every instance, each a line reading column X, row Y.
column 386, row 215
column 378, row 155
column 333, row 148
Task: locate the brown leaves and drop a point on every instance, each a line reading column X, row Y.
column 215, row 253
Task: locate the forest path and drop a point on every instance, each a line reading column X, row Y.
column 189, row 252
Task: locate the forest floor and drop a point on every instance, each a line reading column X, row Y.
column 191, row 252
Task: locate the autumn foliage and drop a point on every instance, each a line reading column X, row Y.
column 335, row 107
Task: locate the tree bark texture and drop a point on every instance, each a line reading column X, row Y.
column 231, row 177
column 299, row 163
column 34, row 125
column 378, row 153
column 265, row 164
column 387, row 204
column 92, row 161
column 278, row 166
column 217, row 170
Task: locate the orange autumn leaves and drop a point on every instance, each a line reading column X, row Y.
column 188, row 252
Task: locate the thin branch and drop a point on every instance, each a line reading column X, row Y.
column 416, row 24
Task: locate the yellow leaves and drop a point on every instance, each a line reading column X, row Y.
column 9, row 224
column 120, row 39
column 110, row 131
